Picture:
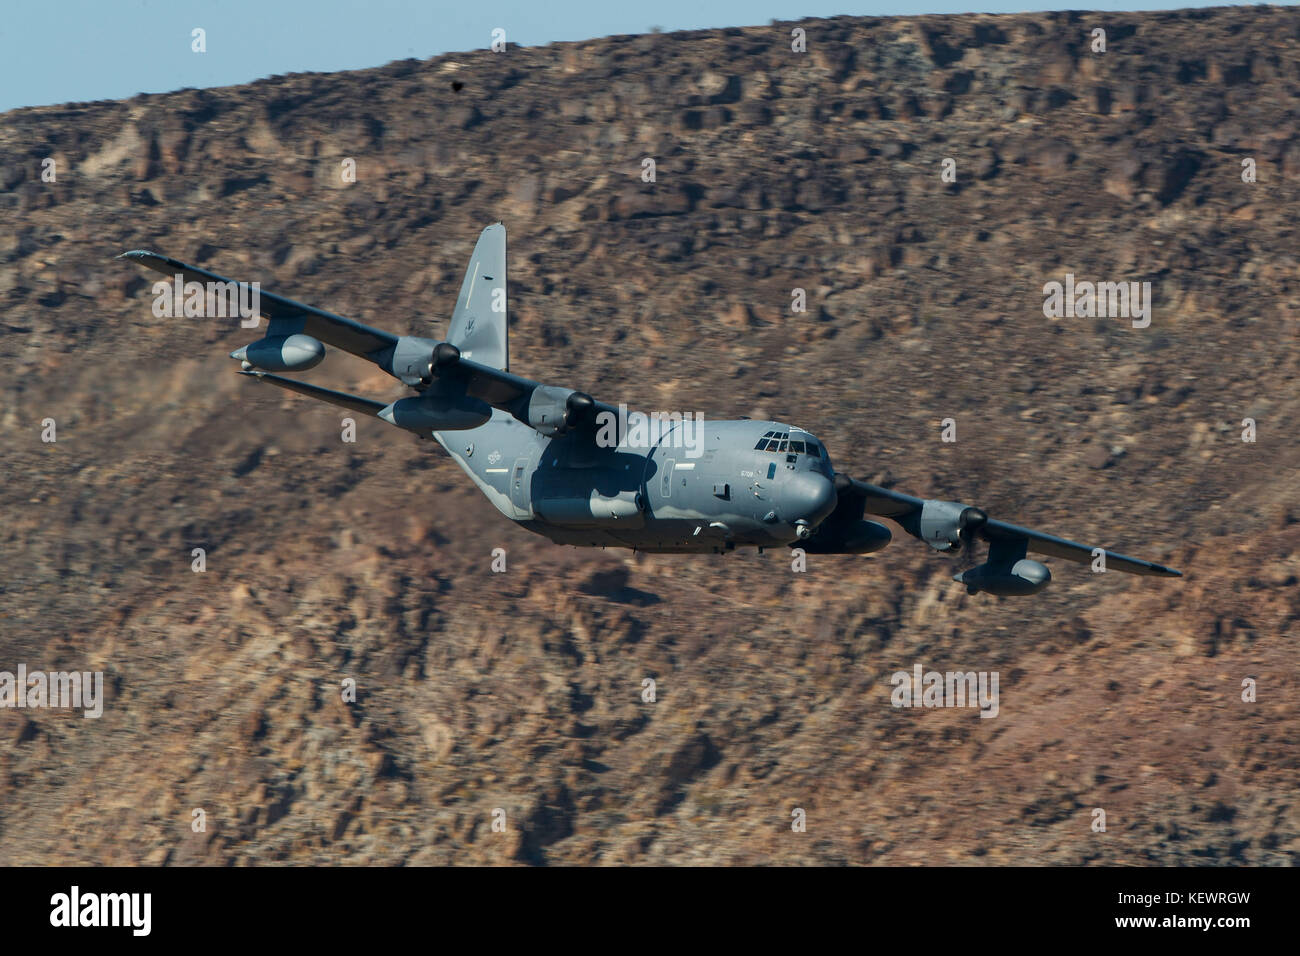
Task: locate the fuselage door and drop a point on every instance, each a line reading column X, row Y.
column 666, row 488
column 519, row 496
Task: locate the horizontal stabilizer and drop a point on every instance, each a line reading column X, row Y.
column 354, row 403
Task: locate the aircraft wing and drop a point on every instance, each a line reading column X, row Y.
column 943, row 523
column 541, row 406
column 331, row 329
column 472, row 361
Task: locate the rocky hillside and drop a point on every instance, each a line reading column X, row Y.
column 775, row 170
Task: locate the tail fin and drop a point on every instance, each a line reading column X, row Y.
column 478, row 326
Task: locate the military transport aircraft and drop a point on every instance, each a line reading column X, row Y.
column 581, row 472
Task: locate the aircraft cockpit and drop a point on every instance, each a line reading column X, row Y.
column 777, row 442
column 796, row 447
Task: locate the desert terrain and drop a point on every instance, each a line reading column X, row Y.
column 775, row 170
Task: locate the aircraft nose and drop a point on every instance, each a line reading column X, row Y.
column 807, row 496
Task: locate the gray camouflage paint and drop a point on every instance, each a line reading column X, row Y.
column 532, row 450
column 674, row 503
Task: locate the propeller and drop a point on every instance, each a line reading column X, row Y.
column 444, row 354
column 970, row 523
column 577, row 409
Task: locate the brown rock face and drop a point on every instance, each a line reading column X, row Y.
column 347, row 679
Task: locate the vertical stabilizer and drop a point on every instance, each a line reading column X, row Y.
column 478, row 326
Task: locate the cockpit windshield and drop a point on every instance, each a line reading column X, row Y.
column 778, row 442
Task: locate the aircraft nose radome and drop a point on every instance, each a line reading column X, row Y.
column 807, row 496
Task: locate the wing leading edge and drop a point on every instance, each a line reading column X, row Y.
column 335, row 330
column 477, row 328
column 911, row 513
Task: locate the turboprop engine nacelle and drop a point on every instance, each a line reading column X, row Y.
column 281, row 353
column 943, row 525
column 434, row 413
column 1023, row 577
column 552, row 410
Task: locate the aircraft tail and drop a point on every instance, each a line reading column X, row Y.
column 478, row 325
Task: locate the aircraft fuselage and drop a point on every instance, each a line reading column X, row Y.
column 697, row 487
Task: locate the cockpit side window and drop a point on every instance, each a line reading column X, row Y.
column 814, row 450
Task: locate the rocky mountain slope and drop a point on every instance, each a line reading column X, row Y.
column 776, row 170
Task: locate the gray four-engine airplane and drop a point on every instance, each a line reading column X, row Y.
column 583, row 472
